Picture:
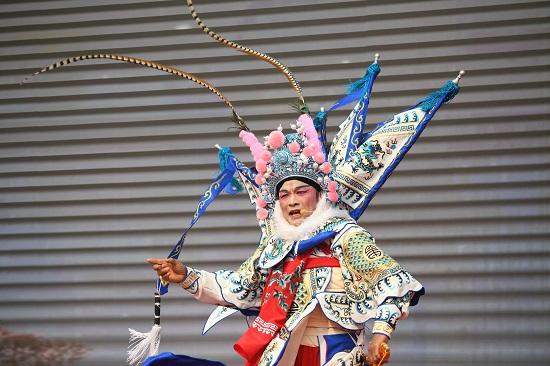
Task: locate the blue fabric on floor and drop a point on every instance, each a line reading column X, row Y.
column 170, row 359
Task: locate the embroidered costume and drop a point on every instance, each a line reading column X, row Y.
column 365, row 283
column 313, row 287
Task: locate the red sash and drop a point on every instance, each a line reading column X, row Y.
column 279, row 292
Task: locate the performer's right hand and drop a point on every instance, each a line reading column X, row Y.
column 169, row 269
column 378, row 350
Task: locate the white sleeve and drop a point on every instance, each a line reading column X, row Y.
column 227, row 288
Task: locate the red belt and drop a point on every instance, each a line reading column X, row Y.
column 316, row 262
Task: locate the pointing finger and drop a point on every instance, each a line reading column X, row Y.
column 155, row 260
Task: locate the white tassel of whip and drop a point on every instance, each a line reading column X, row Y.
column 143, row 345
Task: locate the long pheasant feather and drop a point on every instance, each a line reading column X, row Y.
column 262, row 56
column 154, row 65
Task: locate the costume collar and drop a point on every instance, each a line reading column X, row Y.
column 311, row 225
column 315, row 229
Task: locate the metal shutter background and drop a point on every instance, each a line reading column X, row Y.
column 101, row 164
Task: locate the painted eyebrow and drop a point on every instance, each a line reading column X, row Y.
column 299, row 187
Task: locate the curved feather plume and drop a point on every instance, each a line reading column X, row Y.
column 262, row 56
column 154, row 65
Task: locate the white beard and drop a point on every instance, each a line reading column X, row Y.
column 322, row 213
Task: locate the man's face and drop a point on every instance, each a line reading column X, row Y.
column 297, row 200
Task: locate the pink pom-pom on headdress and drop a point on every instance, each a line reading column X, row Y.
column 276, row 139
column 261, row 214
column 266, row 156
column 307, row 122
column 308, row 151
column 326, row 168
column 332, row 196
column 256, row 150
column 259, row 179
column 260, row 202
column 294, row 147
column 332, row 186
column 310, row 132
column 311, row 135
column 305, row 118
column 319, row 157
column 248, row 137
column 261, row 166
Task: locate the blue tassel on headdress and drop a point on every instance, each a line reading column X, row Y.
column 357, row 86
column 224, row 155
column 320, row 124
column 447, row 91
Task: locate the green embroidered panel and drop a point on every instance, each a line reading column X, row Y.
column 365, row 259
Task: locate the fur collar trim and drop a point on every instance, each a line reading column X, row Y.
column 322, row 213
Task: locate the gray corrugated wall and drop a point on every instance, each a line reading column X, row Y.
column 101, row 163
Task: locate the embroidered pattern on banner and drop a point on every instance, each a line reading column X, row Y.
column 396, row 129
column 341, row 140
column 366, row 165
